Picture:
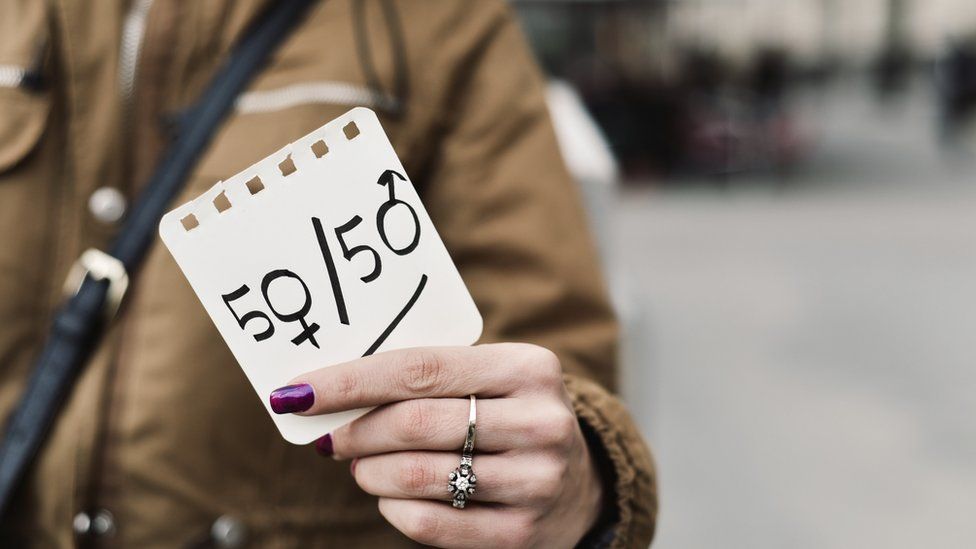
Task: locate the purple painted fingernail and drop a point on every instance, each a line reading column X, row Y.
column 324, row 445
column 292, row 398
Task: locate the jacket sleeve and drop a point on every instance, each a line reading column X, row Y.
column 510, row 215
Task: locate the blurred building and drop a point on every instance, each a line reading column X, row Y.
column 705, row 86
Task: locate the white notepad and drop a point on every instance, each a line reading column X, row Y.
column 320, row 253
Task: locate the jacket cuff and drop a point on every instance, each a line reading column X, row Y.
column 630, row 512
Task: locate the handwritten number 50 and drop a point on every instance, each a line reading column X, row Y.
column 387, row 179
column 308, row 330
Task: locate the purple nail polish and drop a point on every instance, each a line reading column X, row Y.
column 292, row 398
column 324, row 445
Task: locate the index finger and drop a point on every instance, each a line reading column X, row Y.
column 422, row 372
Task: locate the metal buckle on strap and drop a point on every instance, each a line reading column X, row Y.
column 99, row 266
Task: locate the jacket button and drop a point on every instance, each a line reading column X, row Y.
column 102, row 523
column 81, row 524
column 107, row 204
column 228, row 532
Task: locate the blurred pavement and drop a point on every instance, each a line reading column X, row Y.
column 809, row 371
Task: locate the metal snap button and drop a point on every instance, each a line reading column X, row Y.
column 81, row 524
column 107, row 204
column 103, row 523
column 228, row 532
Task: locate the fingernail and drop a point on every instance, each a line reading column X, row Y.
column 292, row 398
column 324, row 445
column 352, row 466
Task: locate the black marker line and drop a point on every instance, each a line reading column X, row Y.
column 396, row 320
column 333, row 276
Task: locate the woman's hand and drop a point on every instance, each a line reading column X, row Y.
column 537, row 485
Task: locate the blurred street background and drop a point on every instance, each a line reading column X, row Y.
column 785, row 196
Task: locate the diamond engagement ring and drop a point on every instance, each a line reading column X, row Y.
column 463, row 480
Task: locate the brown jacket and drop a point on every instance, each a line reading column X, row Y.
column 162, row 430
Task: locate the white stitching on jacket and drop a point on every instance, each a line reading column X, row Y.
column 340, row 93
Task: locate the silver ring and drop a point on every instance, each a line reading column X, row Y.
column 462, row 480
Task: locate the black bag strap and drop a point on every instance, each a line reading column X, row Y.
column 102, row 277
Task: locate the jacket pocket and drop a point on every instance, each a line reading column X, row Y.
column 23, row 117
column 23, row 107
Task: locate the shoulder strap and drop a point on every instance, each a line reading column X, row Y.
column 78, row 325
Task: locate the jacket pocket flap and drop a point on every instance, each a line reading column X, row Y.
column 23, row 116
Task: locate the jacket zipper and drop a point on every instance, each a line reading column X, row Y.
column 131, row 41
column 133, row 31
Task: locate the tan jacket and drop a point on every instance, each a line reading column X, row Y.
column 162, row 430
